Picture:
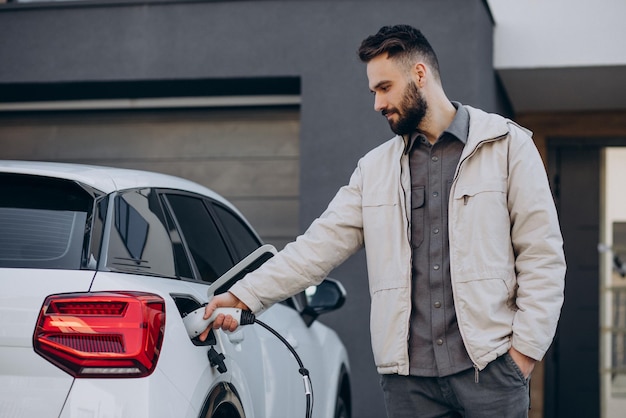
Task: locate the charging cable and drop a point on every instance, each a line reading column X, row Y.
column 196, row 324
column 308, row 388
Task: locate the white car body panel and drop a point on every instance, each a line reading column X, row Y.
column 243, row 351
column 152, row 397
column 24, row 292
column 29, row 385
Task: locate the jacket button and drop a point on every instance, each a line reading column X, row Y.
column 437, row 304
column 439, row 341
column 436, row 267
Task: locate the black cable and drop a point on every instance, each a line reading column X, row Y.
column 308, row 387
column 247, row 318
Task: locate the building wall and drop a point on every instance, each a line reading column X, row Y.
column 561, row 55
column 551, row 34
column 313, row 41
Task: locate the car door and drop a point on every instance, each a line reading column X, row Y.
column 285, row 395
column 212, row 255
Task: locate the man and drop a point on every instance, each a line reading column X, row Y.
column 464, row 251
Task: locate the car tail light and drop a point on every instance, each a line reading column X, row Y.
column 102, row 334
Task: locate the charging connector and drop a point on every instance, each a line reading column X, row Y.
column 195, row 323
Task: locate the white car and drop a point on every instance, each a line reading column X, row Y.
column 98, row 268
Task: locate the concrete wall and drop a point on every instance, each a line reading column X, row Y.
column 561, row 55
column 315, row 41
column 558, row 33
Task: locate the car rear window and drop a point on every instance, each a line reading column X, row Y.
column 43, row 222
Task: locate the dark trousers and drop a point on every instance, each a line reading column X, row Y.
column 502, row 391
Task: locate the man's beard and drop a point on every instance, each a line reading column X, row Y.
column 410, row 113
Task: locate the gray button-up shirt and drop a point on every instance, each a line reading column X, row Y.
column 435, row 344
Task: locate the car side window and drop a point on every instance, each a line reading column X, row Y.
column 139, row 238
column 242, row 238
column 204, row 241
column 183, row 266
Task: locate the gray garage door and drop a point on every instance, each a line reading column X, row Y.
column 249, row 155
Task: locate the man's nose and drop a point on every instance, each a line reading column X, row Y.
column 379, row 103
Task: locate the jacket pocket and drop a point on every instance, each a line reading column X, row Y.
column 383, row 232
column 379, row 215
column 417, row 215
column 484, row 314
column 373, row 200
column 480, row 216
column 472, row 190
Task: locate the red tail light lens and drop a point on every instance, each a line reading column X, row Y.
column 105, row 334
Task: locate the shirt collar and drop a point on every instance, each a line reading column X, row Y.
column 459, row 128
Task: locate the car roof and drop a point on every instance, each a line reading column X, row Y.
column 107, row 179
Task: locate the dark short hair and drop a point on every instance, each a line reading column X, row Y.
column 402, row 42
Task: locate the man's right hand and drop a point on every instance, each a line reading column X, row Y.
column 225, row 322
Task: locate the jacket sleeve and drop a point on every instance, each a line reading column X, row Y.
column 328, row 242
column 538, row 247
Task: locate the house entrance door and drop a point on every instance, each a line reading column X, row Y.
column 572, row 380
column 586, row 365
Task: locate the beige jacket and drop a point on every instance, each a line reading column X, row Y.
column 506, row 257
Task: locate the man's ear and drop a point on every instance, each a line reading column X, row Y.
column 420, row 72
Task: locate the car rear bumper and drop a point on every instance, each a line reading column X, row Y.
column 29, row 385
column 149, row 397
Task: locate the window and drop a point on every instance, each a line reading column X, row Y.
column 240, row 235
column 207, row 247
column 140, row 240
column 44, row 222
column 183, row 268
column 613, row 280
column 32, row 236
column 131, row 227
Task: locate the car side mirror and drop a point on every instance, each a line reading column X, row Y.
column 328, row 296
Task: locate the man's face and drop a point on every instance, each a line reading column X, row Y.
column 397, row 96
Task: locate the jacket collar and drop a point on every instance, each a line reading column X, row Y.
column 482, row 126
column 459, row 128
